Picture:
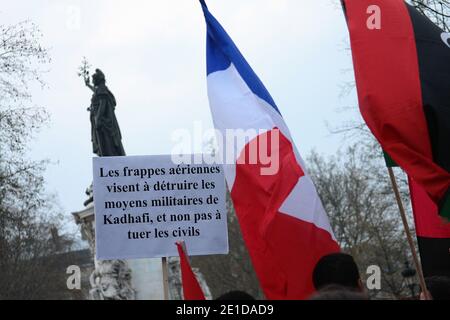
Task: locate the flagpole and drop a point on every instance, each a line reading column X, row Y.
column 165, row 271
column 408, row 233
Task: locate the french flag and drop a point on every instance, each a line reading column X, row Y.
column 283, row 223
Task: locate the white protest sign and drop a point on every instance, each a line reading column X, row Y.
column 144, row 204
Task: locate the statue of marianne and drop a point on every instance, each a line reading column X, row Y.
column 105, row 131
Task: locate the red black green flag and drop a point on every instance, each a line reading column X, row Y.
column 433, row 234
column 402, row 69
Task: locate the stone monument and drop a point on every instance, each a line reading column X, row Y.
column 139, row 279
column 112, row 279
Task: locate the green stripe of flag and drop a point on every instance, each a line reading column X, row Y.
column 389, row 162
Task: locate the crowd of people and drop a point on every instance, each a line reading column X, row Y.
column 336, row 277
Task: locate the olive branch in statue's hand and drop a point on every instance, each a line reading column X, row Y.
column 83, row 71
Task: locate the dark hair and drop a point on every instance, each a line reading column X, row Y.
column 336, row 268
column 235, row 295
column 439, row 287
column 336, row 292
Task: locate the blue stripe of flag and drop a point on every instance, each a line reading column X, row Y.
column 221, row 52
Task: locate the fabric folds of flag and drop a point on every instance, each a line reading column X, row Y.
column 433, row 234
column 402, row 71
column 282, row 220
column 191, row 287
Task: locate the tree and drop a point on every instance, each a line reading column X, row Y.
column 437, row 10
column 357, row 195
column 27, row 214
column 20, row 58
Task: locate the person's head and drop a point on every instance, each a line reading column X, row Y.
column 337, row 269
column 438, row 288
column 98, row 77
column 235, row 295
column 337, row 292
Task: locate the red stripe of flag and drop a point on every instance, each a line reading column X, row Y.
column 191, row 287
column 284, row 249
column 389, row 90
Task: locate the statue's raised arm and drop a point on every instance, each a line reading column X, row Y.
column 88, row 84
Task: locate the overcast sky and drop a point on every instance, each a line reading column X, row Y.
column 153, row 55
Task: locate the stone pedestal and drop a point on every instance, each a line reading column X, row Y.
column 147, row 278
column 139, row 279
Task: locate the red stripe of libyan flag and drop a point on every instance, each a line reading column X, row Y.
column 433, row 232
column 433, row 235
column 402, row 70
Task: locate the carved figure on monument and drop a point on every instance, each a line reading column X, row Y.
column 111, row 280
